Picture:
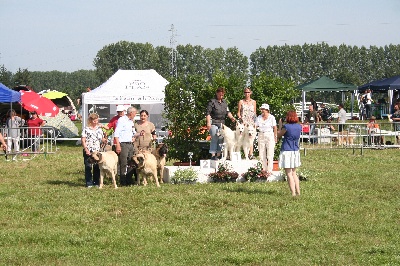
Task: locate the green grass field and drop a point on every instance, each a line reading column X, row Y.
column 348, row 214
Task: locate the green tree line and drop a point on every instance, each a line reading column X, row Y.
column 297, row 63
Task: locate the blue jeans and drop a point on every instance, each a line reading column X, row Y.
column 91, row 179
column 215, row 140
column 312, row 132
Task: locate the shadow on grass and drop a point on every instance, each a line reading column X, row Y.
column 250, row 190
column 78, row 183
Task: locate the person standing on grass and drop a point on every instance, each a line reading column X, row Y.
column 13, row 124
column 124, row 137
column 92, row 137
column 289, row 157
column 368, row 103
column 34, row 124
column 312, row 118
column 341, row 117
column 267, row 137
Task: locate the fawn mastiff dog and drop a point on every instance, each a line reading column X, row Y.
column 108, row 164
column 160, row 152
column 146, row 166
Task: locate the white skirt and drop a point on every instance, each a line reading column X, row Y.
column 289, row 159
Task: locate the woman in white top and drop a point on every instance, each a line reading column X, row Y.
column 13, row 124
column 267, row 137
column 247, row 112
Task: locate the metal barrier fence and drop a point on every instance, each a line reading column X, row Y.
column 30, row 142
column 354, row 135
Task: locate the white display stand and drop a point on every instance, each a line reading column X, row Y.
column 209, row 166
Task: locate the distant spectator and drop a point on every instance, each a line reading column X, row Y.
column 329, row 125
column 324, row 112
column 396, row 120
column 314, row 104
column 368, row 103
column 373, row 131
column 34, row 132
column 13, row 124
column 311, row 118
column 341, row 117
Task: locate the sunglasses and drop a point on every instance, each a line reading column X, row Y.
column 246, row 92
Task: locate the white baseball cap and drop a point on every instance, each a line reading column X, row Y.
column 264, row 106
column 120, row 108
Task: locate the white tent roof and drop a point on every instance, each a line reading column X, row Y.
column 127, row 87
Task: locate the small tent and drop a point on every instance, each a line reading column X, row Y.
column 7, row 98
column 8, row 95
column 133, row 87
column 325, row 84
column 383, row 85
column 61, row 99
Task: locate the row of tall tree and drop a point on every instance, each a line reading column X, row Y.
column 298, row 63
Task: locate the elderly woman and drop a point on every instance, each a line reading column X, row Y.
column 145, row 131
column 92, row 137
column 267, row 137
column 289, row 158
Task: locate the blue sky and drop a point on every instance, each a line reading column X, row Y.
column 65, row 35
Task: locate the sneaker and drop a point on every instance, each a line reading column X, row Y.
column 251, row 157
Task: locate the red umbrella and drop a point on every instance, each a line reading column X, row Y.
column 31, row 101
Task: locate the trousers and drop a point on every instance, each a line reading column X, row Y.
column 266, row 146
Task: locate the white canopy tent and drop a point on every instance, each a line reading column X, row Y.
column 138, row 87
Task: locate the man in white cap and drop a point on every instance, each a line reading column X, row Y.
column 113, row 122
column 267, row 137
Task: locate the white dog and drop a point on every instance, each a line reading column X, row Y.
column 108, row 164
column 239, row 134
column 229, row 140
column 250, row 134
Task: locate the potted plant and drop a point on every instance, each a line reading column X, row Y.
column 184, row 175
column 256, row 173
column 224, row 173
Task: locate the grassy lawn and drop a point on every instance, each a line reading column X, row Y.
column 348, row 214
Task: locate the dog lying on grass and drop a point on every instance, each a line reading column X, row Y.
column 108, row 164
column 146, row 166
column 160, row 152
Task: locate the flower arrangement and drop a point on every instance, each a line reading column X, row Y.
column 255, row 173
column 188, row 175
column 224, row 173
